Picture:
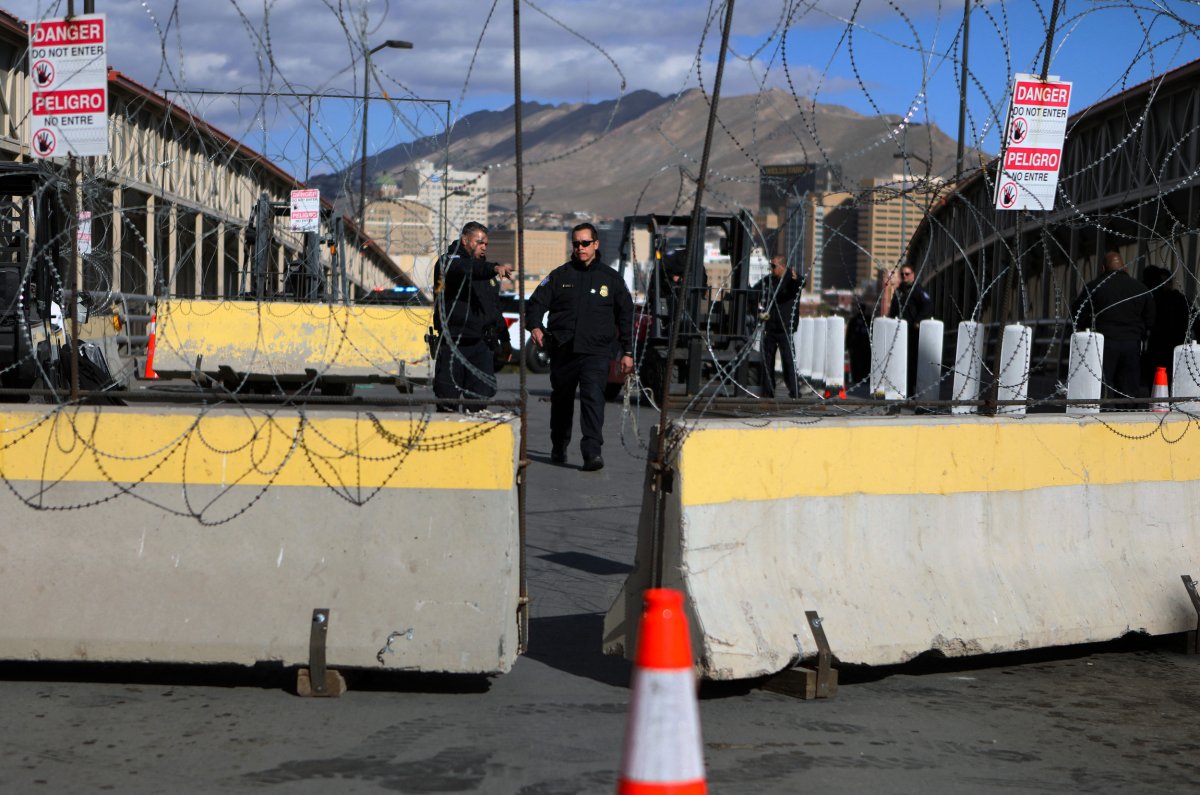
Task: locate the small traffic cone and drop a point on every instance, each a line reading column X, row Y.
column 150, row 330
column 1160, row 390
column 663, row 751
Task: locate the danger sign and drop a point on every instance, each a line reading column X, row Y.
column 69, row 86
column 305, row 210
column 1037, row 124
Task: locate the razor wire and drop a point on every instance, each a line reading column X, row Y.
column 173, row 205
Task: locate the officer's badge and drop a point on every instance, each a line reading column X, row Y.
column 604, row 291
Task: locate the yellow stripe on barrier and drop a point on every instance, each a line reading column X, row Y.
column 254, row 448
column 288, row 337
column 724, row 464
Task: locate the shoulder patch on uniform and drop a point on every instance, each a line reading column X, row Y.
column 546, row 280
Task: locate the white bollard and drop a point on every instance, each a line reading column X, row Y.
column 804, row 347
column 818, row 359
column 1186, row 379
column 835, row 353
column 968, row 363
column 1085, row 371
column 931, row 334
column 889, row 358
column 1015, row 351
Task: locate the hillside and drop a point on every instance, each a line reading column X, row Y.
column 611, row 158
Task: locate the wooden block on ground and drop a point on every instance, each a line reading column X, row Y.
column 335, row 684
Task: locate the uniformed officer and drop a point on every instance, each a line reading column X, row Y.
column 465, row 313
column 591, row 316
column 777, row 293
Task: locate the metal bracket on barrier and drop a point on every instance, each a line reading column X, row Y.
column 808, row 683
column 1193, row 637
column 316, row 680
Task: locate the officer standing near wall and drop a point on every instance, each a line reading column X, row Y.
column 465, row 315
column 591, row 320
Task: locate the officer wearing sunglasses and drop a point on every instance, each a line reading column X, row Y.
column 591, row 319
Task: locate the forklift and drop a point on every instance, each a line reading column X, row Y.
column 716, row 322
column 35, row 343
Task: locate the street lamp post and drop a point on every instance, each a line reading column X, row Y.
column 394, row 44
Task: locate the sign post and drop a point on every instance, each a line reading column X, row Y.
column 1033, row 143
column 68, row 69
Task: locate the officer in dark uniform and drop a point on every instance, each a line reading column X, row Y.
column 911, row 303
column 465, row 315
column 1122, row 309
column 591, row 313
column 777, row 293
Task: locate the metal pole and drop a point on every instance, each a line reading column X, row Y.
column 523, row 462
column 308, row 140
column 73, row 278
column 362, row 177
column 962, row 90
column 695, row 238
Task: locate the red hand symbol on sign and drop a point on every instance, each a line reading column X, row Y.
column 1019, row 129
column 43, row 74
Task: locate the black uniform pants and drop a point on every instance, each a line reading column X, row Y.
column 587, row 372
column 463, row 371
column 781, row 341
column 1122, row 369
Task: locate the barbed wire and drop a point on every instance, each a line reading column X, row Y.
column 174, row 230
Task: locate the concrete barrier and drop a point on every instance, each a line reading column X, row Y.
column 293, row 342
column 210, row 536
column 965, row 535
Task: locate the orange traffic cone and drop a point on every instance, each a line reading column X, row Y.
column 1160, row 390
column 663, row 751
column 150, row 330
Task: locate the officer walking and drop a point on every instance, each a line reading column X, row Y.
column 591, row 313
column 465, row 314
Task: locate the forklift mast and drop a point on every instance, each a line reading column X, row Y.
column 715, row 320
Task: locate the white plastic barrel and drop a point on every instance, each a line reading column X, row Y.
column 1186, row 379
column 835, row 352
column 804, row 347
column 1085, row 371
column 929, row 358
column 818, row 359
column 968, row 363
column 889, row 358
column 1015, row 350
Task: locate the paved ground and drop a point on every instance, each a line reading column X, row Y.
column 1098, row 719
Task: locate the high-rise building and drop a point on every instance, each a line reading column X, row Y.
column 798, row 203
column 779, row 184
column 417, row 212
column 461, row 196
column 889, row 211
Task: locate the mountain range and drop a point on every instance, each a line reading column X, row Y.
column 640, row 153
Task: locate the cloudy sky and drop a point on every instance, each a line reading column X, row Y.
column 872, row 56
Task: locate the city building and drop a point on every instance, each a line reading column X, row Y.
column 889, row 211
column 544, row 251
column 462, row 194
column 416, row 212
column 811, row 222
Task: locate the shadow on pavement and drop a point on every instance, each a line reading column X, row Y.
column 572, row 644
column 265, row 676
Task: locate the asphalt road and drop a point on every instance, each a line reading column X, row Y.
column 1114, row 718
